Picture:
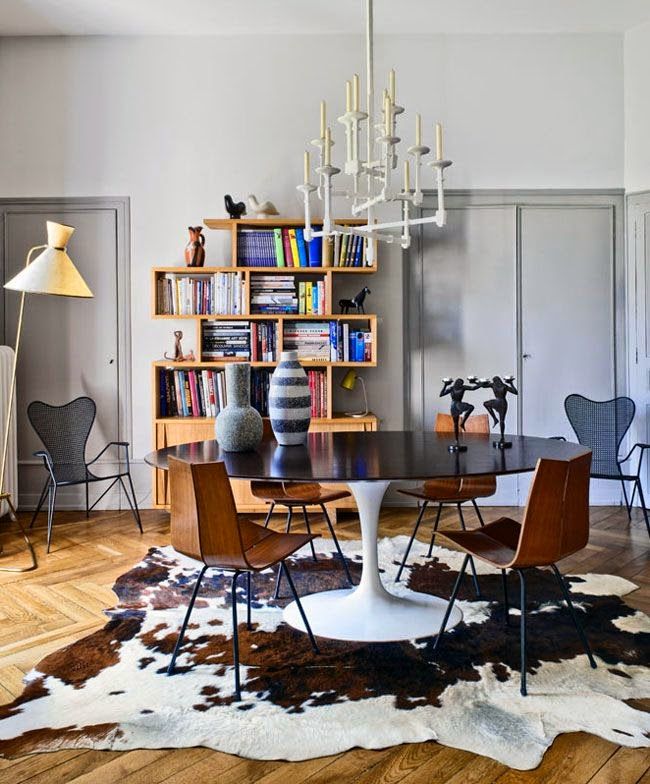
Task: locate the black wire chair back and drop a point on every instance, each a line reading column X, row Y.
column 64, row 431
column 601, row 426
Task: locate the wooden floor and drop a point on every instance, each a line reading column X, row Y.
column 43, row 610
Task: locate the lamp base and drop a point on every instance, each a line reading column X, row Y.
column 4, row 496
column 356, row 414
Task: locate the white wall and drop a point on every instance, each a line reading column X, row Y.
column 176, row 123
column 637, row 108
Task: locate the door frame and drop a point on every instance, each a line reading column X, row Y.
column 121, row 207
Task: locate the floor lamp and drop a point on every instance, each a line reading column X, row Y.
column 51, row 272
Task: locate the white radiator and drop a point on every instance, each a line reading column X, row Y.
column 11, row 472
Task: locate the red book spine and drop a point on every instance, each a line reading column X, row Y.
column 286, row 244
column 194, row 394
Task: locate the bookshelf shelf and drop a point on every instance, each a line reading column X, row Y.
column 172, row 430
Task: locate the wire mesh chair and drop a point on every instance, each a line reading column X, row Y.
column 64, row 431
column 601, row 426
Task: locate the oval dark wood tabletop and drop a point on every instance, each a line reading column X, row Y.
column 385, row 454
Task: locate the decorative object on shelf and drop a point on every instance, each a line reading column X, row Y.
column 178, row 350
column 51, row 272
column 376, row 166
column 195, row 248
column 234, row 209
column 290, row 401
column 498, row 407
column 460, row 410
column 349, row 382
column 356, row 302
column 238, row 427
column 264, row 209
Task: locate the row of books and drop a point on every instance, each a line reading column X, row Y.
column 191, row 393
column 278, row 248
column 273, row 294
column 350, row 250
column 349, row 344
column 310, row 339
column 264, row 341
column 190, row 295
column 225, row 340
column 318, row 390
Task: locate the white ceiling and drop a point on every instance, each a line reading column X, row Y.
column 224, row 17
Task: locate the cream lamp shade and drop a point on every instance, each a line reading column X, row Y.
column 52, row 271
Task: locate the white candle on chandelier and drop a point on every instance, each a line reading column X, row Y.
column 407, row 176
column 348, row 96
column 306, row 167
column 418, row 130
column 355, row 92
column 328, row 141
column 438, row 141
column 387, row 116
column 391, row 84
column 323, row 118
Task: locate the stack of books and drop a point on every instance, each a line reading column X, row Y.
column 348, row 343
column 221, row 294
column 311, row 297
column 281, row 247
column 260, row 380
column 350, row 250
column 191, row 393
column 318, row 389
column 311, row 339
column 264, row 341
column 273, row 294
column 225, row 340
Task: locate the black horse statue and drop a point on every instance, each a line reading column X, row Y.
column 234, row 209
column 356, row 302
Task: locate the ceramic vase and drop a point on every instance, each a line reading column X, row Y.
column 290, row 401
column 195, row 248
column 238, row 427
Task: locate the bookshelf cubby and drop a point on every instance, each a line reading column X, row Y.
column 177, row 429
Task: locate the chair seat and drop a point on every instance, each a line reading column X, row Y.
column 296, row 493
column 496, row 543
column 453, row 490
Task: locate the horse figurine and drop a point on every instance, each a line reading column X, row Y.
column 356, row 302
column 234, row 208
column 195, row 248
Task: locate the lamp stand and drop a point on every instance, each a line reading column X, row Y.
column 4, row 494
column 359, row 414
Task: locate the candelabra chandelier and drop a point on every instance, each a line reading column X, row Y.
column 372, row 181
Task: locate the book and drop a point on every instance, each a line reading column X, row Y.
column 279, row 248
column 302, row 248
column 315, row 252
column 294, row 247
column 286, row 245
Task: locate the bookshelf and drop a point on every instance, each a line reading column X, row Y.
column 177, row 429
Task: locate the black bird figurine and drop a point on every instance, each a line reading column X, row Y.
column 234, row 209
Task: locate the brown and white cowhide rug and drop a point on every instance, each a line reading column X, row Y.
column 110, row 691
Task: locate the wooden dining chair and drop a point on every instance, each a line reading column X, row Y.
column 205, row 526
column 456, row 491
column 555, row 525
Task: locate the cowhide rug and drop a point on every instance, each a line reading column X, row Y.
column 110, row 691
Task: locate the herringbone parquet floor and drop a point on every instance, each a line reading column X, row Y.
column 43, row 610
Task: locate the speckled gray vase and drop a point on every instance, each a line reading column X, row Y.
column 238, row 427
column 290, row 401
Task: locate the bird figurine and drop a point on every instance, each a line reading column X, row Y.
column 262, row 210
column 234, row 209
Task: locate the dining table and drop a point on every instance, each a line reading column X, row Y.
column 368, row 462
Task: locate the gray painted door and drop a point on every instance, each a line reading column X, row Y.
column 69, row 346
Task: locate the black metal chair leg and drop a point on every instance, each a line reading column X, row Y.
column 284, row 566
column 574, row 616
column 134, row 511
column 522, row 632
column 278, row 580
column 311, row 544
column 249, row 625
column 450, row 605
column 477, row 588
column 506, row 602
column 628, row 503
column 267, row 520
column 337, row 545
column 46, row 487
column 410, row 544
column 179, row 641
column 478, row 512
column 289, row 518
column 434, row 531
column 643, row 506
column 235, row 635
column 51, row 504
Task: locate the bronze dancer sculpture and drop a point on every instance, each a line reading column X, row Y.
column 460, row 410
column 498, row 407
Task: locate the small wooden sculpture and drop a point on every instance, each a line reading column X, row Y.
column 195, row 248
column 264, row 209
column 234, row 209
column 178, row 350
column 460, row 410
column 356, row 302
column 498, row 407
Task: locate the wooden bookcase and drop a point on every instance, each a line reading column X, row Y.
column 169, row 431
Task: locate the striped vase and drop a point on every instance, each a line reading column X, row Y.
column 289, row 401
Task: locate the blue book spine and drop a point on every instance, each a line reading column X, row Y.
column 163, row 393
column 359, row 347
column 316, row 252
column 302, row 248
column 359, row 252
column 333, row 341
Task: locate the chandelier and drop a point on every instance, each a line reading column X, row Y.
column 373, row 181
